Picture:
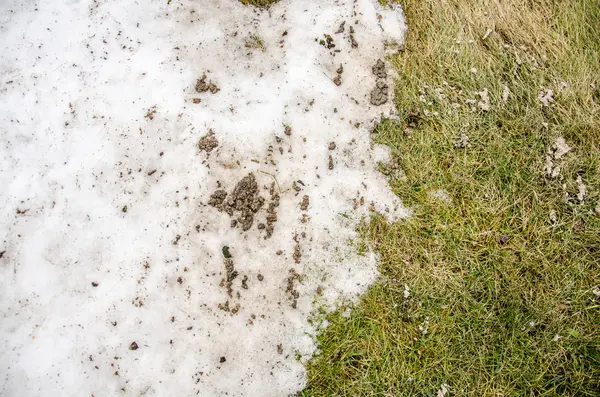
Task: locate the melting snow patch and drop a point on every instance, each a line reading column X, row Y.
column 546, row 97
column 175, row 198
column 553, row 156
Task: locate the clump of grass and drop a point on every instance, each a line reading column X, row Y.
column 255, row 42
column 492, row 287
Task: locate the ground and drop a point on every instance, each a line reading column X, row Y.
column 492, row 287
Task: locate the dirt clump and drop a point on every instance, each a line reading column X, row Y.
column 337, row 80
column 231, row 275
column 208, row 142
column 291, row 287
column 217, row 198
column 297, row 251
column 272, row 211
column 203, row 86
column 243, row 201
column 353, row 41
column 379, row 69
column 327, row 42
column 379, row 94
column 305, row 202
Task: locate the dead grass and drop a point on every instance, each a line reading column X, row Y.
column 496, row 292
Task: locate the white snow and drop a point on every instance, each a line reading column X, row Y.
column 107, row 235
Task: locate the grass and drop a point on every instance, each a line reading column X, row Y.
column 255, row 42
column 494, row 292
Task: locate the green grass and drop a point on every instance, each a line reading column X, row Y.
column 508, row 296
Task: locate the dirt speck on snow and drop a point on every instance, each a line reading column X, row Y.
column 203, row 86
column 304, row 203
column 272, row 211
column 353, row 41
column 291, row 287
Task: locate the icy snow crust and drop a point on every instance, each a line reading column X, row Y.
column 107, row 235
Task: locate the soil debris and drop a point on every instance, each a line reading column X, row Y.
column 287, row 130
column 379, row 69
column 231, row 275
column 341, row 28
column 304, row 203
column 297, row 253
column 244, row 200
column 272, row 211
column 379, row 94
column 208, row 142
column 203, row 86
column 280, row 348
column 217, row 198
column 327, row 42
column 353, row 41
column 291, row 287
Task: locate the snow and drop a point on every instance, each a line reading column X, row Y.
column 107, row 235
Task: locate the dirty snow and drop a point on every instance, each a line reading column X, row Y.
column 116, row 276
